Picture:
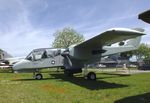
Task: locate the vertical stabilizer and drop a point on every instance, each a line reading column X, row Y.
column 131, row 44
column 135, row 42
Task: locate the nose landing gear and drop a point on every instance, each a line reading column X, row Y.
column 37, row 75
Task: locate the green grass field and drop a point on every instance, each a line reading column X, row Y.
column 56, row 88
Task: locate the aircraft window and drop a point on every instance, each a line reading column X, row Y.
column 38, row 55
column 44, row 55
column 30, row 57
column 58, row 52
column 51, row 53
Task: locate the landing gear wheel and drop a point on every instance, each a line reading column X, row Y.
column 91, row 76
column 38, row 76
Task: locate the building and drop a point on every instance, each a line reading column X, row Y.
column 145, row 16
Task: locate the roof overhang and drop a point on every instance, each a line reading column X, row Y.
column 145, row 16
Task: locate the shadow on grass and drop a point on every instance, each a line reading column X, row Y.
column 120, row 75
column 92, row 85
column 143, row 98
column 30, row 79
column 112, row 75
column 78, row 80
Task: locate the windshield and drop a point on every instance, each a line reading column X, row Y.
column 39, row 54
column 51, row 53
column 43, row 53
column 30, row 56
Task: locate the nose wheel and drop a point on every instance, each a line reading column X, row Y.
column 38, row 76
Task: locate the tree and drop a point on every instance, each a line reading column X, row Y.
column 67, row 37
column 144, row 52
column 1, row 50
column 127, row 54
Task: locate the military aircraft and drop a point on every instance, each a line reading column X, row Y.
column 7, row 60
column 12, row 60
column 76, row 57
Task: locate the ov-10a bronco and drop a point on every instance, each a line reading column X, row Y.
column 74, row 58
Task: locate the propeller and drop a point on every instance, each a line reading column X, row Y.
column 66, row 55
column 69, row 60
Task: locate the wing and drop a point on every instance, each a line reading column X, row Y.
column 93, row 47
column 109, row 37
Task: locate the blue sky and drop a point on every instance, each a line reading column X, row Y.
column 30, row 24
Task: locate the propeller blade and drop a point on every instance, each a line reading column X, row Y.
column 69, row 61
column 65, row 54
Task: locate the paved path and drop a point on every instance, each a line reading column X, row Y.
column 122, row 71
column 135, row 71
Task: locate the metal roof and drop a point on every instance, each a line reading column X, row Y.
column 145, row 16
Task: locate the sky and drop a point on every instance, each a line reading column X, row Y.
column 29, row 24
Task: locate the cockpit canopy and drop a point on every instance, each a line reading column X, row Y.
column 43, row 53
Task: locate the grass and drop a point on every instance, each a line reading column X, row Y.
column 56, row 88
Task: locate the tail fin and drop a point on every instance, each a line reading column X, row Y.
column 131, row 44
column 135, row 42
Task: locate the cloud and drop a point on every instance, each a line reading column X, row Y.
column 19, row 37
column 29, row 24
column 146, row 38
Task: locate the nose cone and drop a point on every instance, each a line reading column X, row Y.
column 19, row 65
column 16, row 66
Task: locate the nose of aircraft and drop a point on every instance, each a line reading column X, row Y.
column 15, row 66
column 19, row 65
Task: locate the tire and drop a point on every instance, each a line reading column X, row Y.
column 38, row 76
column 91, row 76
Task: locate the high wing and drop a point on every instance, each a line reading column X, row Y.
column 109, row 37
column 90, row 48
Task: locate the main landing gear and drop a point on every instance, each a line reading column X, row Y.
column 37, row 75
column 91, row 76
column 86, row 74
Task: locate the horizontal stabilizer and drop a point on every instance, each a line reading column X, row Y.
column 139, row 29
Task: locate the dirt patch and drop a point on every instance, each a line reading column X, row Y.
column 53, row 88
column 16, row 77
